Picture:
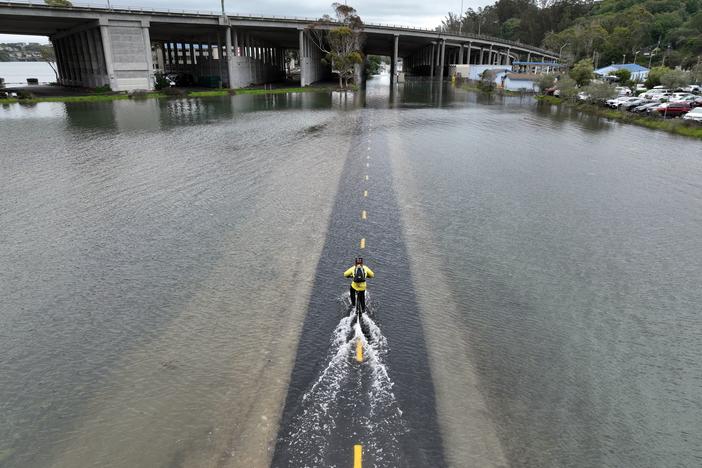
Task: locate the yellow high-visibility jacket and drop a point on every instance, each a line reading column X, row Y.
column 359, row 286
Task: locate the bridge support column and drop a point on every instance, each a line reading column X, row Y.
column 443, row 58
column 302, row 55
column 470, row 46
column 431, row 62
column 107, row 52
column 230, row 59
column 393, row 66
column 149, row 56
column 460, row 55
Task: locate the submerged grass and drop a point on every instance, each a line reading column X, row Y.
column 158, row 95
column 676, row 126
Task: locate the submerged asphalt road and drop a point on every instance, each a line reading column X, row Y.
column 401, row 429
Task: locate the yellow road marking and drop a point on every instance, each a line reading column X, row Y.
column 363, row 214
column 357, row 456
column 359, row 350
column 363, row 243
column 367, row 164
column 365, row 193
column 366, row 177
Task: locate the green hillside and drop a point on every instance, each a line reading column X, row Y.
column 607, row 31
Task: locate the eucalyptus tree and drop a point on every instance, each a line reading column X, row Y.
column 341, row 39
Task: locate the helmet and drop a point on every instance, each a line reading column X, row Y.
column 359, row 261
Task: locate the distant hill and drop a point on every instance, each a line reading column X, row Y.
column 22, row 52
column 608, row 31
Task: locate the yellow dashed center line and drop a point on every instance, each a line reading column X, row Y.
column 363, row 243
column 364, row 215
column 359, row 350
column 366, row 177
column 365, row 193
column 357, row 456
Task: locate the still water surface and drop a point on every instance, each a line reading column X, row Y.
column 149, row 316
column 16, row 73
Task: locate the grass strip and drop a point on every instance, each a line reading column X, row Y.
column 158, row 95
column 676, row 126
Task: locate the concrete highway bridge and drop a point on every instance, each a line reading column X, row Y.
column 124, row 47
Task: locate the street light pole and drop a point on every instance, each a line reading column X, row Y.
column 460, row 20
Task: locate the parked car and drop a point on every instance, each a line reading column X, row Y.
column 640, row 87
column 692, row 89
column 632, row 102
column 656, row 91
column 646, row 108
column 695, row 115
column 583, row 96
column 694, row 101
column 623, row 91
column 672, row 109
column 679, row 96
column 614, row 103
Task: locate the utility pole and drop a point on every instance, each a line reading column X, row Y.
column 460, row 20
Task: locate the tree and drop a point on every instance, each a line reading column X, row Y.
column 623, row 76
column 49, row 56
column 545, row 81
column 599, row 92
column 654, row 76
column 567, row 88
column 373, row 64
column 675, row 79
column 697, row 73
column 58, row 3
column 582, row 72
column 340, row 40
column 487, row 81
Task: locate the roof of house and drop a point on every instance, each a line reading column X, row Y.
column 632, row 67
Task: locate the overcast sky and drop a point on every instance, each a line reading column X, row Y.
column 420, row 13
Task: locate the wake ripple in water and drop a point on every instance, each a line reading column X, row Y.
column 349, row 403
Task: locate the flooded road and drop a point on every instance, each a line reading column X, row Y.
column 173, row 293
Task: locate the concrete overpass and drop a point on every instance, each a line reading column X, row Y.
column 124, row 47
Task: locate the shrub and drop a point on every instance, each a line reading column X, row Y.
column 654, row 76
column 231, row 92
column 160, row 82
column 487, row 81
column 567, row 88
column 600, row 91
column 545, row 81
column 674, row 79
column 102, row 89
column 24, row 95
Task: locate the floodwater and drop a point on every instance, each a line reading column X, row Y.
column 172, row 292
column 16, row 73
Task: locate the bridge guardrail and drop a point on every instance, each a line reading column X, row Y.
column 129, row 9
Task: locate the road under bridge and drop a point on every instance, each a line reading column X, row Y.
column 123, row 47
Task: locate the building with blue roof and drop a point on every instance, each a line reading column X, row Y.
column 638, row 73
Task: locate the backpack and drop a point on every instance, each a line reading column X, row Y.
column 359, row 276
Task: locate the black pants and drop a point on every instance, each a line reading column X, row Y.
column 361, row 295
